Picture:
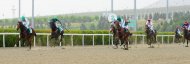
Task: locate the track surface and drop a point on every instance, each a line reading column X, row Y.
column 137, row 54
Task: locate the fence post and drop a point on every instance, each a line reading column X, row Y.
column 173, row 39
column 162, row 39
column 102, row 39
column 93, row 40
column 109, row 39
column 156, row 39
column 168, row 40
column 71, row 40
column 83, row 40
column 19, row 43
column 135, row 39
column 4, row 40
column 112, row 40
column 60, row 43
column 143, row 39
column 47, row 41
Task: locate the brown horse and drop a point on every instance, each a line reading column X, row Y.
column 178, row 37
column 151, row 36
column 120, row 34
column 24, row 34
column 56, row 33
column 186, row 35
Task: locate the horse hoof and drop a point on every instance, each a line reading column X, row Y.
column 151, row 47
column 126, row 49
column 115, row 47
column 28, row 49
column 186, row 46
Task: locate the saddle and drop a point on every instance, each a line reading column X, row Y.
column 29, row 31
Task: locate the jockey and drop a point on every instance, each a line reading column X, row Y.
column 112, row 24
column 26, row 23
column 125, row 24
column 178, row 30
column 119, row 19
column 149, row 24
column 186, row 25
column 115, row 20
column 53, row 25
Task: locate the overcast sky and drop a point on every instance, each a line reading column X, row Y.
column 52, row 7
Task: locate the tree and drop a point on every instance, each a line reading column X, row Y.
column 92, row 27
column 103, row 24
column 82, row 27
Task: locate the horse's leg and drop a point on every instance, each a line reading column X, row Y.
column 28, row 39
column 30, row 44
column 116, row 41
column 56, row 42
column 150, row 42
column 23, row 42
column 126, row 44
column 51, row 38
column 176, row 39
column 17, row 42
column 62, row 39
column 155, row 38
column 147, row 39
column 187, row 43
column 62, row 36
column 122, row 41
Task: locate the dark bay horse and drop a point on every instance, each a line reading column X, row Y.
column 151, row 36
column 178, row 37
column 56, row 33
column 120, row 34
column 186, row 35
column 24, row 34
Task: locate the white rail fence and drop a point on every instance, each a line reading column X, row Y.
column 93, row 42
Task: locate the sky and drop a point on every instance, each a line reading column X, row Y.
column 53, row 7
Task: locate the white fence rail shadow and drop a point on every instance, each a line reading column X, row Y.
column 93, row 43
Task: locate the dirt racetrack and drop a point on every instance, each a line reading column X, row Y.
column 137, row 54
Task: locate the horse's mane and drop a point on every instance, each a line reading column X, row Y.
column 22, row 27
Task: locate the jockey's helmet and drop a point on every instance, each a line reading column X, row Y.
column 55, row 17
column 23, row 18
column 185, row 22
column 119, row 19
column 149, row 20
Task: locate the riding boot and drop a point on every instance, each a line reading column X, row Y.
column 30, row 30
column 153, row 31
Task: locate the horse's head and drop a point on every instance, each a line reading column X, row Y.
column 117, row 25
column 18, row 25
column 147, row 29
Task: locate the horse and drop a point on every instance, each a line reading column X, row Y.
column 56, row 33
column 151, row 36
column 186, row 35
column 178, row 37
column 24, row 34
column 120, row 34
